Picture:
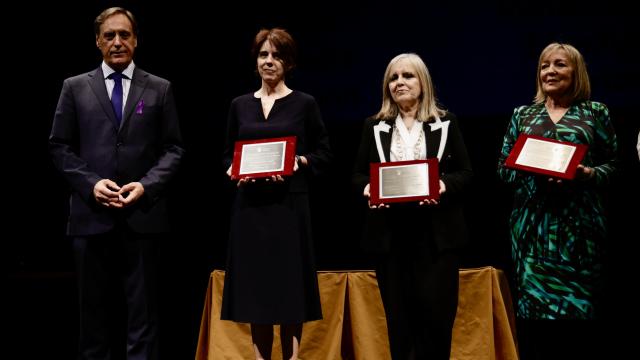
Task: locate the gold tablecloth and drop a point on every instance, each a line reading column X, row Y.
column 354, row 327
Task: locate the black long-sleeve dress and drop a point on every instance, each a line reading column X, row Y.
column 270, row 276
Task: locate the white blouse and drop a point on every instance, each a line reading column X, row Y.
column 638, row 146
column 408, row 144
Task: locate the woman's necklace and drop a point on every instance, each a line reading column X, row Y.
column 400, row 146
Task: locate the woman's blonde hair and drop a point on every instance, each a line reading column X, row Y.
column 580, row 85
column 427, row 109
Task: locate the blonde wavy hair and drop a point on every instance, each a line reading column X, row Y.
column 428, row 107
column 580, row 85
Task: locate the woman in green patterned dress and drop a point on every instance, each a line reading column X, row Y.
column 557, row 227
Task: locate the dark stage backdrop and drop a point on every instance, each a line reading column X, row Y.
column 482, row 58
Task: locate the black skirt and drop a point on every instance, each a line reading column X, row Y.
column 270, row 276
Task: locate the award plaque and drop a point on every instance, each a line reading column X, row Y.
column 551, row 157
column 263, row 158
column 404, row 181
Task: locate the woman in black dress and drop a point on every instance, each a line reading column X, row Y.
column 271, row 277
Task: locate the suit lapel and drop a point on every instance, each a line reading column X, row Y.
column 433, row 140
column 385, row 140
column 382, row 136
column 138, row 84
column 439, row 131
column 96, row 82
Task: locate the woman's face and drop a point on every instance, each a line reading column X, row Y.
column 404, row 85
column 269, row 63
column 556, row 73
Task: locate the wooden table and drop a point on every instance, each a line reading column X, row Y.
column 354, row 325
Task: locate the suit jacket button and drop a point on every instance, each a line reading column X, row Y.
column 118, row 144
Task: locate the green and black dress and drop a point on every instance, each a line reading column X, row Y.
column 557, row 230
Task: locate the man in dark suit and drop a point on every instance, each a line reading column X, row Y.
column 116, row 140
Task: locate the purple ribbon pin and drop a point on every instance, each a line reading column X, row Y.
column 139, row 107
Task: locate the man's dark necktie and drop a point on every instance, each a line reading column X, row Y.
column 116, row 95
